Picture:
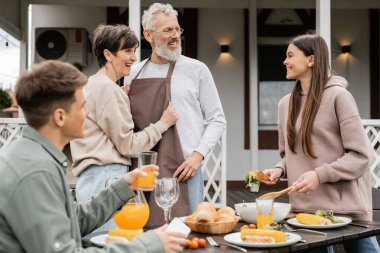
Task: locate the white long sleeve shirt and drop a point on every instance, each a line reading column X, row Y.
column 195, row 97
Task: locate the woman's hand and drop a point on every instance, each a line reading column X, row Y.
column 131, row 177
column 173, row 241
column 126, row 88
column 306, row 183
column 169, row 116
column 274, row 174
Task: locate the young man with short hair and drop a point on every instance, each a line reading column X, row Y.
column 37, row 212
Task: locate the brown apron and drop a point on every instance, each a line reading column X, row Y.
column 149, row 97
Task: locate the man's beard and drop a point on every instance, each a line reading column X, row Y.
column 170, row 55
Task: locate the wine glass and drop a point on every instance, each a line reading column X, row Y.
column 166, row 195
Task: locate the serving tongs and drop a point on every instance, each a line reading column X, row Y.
column 272, row 195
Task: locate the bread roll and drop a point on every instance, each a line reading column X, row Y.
column 204, row 216
column 206, row 206
column 225, row 217
column 227, row 210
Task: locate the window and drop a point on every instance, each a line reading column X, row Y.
column 270, row 93
column 273, row 84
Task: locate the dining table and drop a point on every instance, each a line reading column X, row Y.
column 312, row 240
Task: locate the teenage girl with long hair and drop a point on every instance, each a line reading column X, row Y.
column 325, row 151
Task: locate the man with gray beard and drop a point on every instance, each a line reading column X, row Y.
column 169, row 76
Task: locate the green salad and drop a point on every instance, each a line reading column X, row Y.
column 328, row 215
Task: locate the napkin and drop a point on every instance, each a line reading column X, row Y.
column 177, row 225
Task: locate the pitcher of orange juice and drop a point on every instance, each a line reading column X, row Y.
column 264, row 212
column 135, row 214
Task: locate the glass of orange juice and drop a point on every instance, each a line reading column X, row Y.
column 147, row 159
column 264, row 212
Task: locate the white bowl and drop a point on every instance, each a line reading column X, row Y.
column 247, row 211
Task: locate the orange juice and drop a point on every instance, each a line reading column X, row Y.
column 264, row 209
column 264, row 219
column 132, row 216
column 147, row 182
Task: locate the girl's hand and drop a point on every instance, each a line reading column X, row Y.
column 306, row 183
column 274, row 174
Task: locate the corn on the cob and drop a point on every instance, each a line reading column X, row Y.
column 126, row 233
column 311, row 219
column 279, row 236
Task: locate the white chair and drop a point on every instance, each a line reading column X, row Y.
column 372, row 129
column 10, row 130
column 214, row 173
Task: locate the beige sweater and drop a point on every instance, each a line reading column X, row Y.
column 343, row 155
column 109, row 136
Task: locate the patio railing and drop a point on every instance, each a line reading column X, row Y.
column 215, row 174
column 10, row 130
column 372, row 128
column 214, row 165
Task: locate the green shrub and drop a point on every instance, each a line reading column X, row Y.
column 5, row 99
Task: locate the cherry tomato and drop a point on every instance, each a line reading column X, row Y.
column 244, row 227
column 193, row 244
column 252, row 226
column 196, row 239
column 202, row 243
column 187, row 244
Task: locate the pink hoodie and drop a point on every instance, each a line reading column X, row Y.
column 343, row 155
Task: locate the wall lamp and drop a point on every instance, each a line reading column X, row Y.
column 346, row 49
column 224, row 48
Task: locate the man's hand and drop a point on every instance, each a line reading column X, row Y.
column 189, row 167
column 131, row 177
column 306, row 183
column 173, row 241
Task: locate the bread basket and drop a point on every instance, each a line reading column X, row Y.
column 212, row 227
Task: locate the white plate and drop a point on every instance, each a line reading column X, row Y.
column 99, row 239
column 234, row 238
column 345, row 221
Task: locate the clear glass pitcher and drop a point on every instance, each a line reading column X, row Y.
column 135, row 214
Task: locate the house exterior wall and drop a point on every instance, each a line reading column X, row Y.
column 88, row 17
column 218, row 26
column 355, row 32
